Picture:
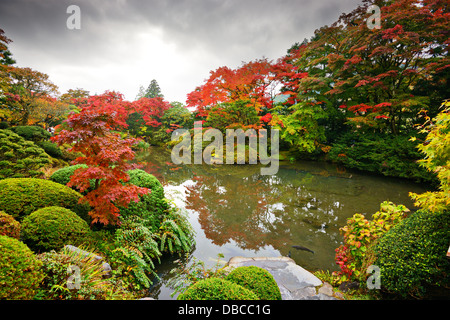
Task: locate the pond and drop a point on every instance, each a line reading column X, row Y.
column 236, row 211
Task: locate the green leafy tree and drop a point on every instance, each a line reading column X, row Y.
column 301, row 127
column 136, row 124
column 233, row 115
column 178, row 114
column 175, row 117
column 5, row 60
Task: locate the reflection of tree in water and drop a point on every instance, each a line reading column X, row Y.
column 303, row 204
column 256, row 211
column 157, row 161
column 227, row 209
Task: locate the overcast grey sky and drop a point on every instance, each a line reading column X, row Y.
column 124, row 44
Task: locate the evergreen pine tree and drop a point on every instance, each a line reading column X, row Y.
column 153, row 90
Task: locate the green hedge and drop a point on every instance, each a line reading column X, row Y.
column 143, row 179
column 217, row 289
column 20, row 270
column 389, row 155
column 138, row 178
column 21, row 196
column 256, row 279
column 51, row 228
column 412, row 255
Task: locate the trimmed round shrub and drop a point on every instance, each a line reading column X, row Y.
column 51, row 228
column 20, row 270
column 19, row 157
column 152, row 206
column 412, row 255
column 63, row 175
column 217, row 289
column 21, row 196
column 138, row 178
column 9, row 226
column 256, row 279
column 143, row 179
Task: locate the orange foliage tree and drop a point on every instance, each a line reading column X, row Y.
column 106, row 155
column 256, row 82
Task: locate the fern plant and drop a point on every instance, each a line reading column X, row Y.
column 176, row 233
column 136, row 250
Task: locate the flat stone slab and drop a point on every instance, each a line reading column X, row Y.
column 295, row 283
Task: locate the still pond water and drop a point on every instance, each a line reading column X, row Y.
column 236, row 211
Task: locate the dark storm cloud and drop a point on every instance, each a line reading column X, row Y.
column 210, row 33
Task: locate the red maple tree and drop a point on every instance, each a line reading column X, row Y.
column 151, row 109
column 106, row 154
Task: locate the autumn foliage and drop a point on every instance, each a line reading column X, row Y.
column 256, row 82
column 380, row 78
column 106, row 154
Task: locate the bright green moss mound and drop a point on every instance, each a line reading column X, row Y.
column 152, row 207
column 138, row 178
column 21, row 196
column 51, row 228
column 217, row 289
column 256, row 279
column 20, row 270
